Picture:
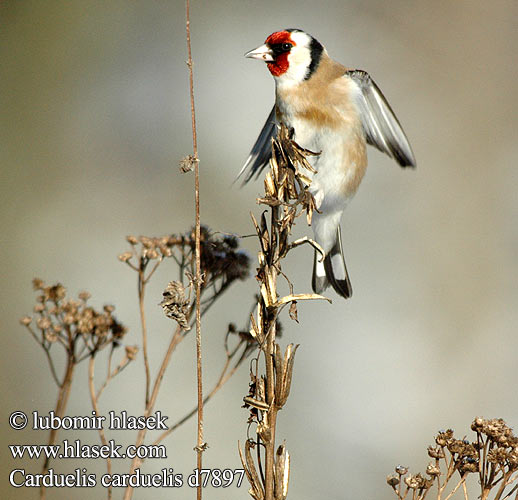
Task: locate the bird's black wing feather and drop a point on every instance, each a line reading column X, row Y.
column 381, row 126
column 261, row 151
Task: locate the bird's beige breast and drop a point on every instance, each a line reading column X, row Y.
column 327, row 123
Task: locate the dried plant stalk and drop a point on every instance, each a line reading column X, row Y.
column 200, row 446
column 287, row 197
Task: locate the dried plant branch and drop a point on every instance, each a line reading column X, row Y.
column 175, row 340
column 59, row 411
column 493, row 457
column 287, row 196
column 131, row 353
column 221, row 262
column 76, row 327
column 141, row 290
column 200, row 447
column 94, row 400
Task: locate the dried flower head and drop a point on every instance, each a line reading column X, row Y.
column 401, row 470
column 125, row 257
column 131, row 352
column 433, row 469
column 443, row 437
column 37, row 284
column 175, row 305
column 435, row 452
column 70, row 320
column 221, row 258
column 393, row 480
column 414, row 482
column 492, row 458
column 187, row 163
column 26, row 320
column 222, row 261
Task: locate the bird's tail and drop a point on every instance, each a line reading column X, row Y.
column 332, row 271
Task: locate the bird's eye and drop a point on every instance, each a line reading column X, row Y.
column 286, row 46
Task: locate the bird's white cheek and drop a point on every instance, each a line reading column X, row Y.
column 299, row 61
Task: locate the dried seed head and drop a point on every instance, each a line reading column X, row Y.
column 433, row 470
column 124, row 257
column 165, row 251
column 187, row 163
column 54, row 293
column 26, row 320
column 82, row 322
column 497, row 456
column 414, row 482
column 132, row 240
column 477, row 424
column 51, row 336
column 147, row 242
column 38, row 284
column 443, row 437
column 43, row 323
column 175, row 305
column 455, row 446
column 393, row 480
column 401, row 470
column 84, row 296
column 69, row 319
column 131, row 352
column 435, row 452
column 151, row 253
column 468, row 465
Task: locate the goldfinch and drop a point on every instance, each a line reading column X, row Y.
column 335, row 111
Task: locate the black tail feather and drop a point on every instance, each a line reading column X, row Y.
column 334, row 265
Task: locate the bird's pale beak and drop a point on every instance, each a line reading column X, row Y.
column 263, row 53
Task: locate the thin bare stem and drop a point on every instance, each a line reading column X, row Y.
column 59, row 410
column 462, row 480
column 47, row 354
column 155, row 267
column 175, row 340
column 93, row 398
column 51, row 365
column 113, row 374
column 141, row 290
column 198, row 278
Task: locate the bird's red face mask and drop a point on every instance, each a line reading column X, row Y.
column 275, row 52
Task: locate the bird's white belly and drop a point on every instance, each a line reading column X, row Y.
column 329, row 183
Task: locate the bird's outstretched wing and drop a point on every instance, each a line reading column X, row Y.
column 382, row 128
column 261, row 151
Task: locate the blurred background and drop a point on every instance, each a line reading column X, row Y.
column 95, row 117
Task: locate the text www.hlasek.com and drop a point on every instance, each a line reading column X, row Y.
column 77, row 450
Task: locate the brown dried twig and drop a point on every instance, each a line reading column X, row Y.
column 200, row 447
